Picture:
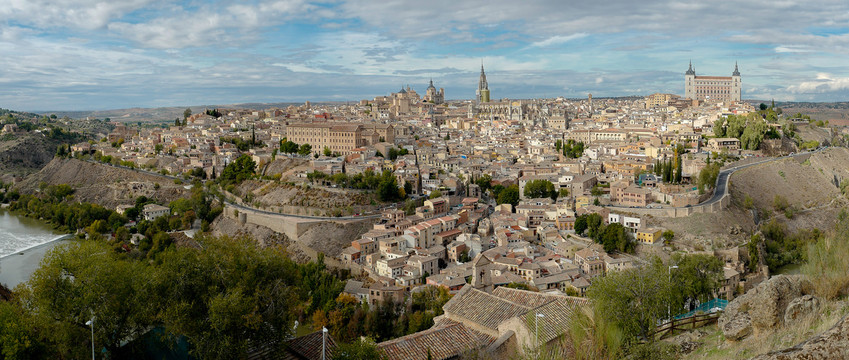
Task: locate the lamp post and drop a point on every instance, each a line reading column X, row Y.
column 90, row 323
column 668, row 305
column 323, row 341
column 536, row 326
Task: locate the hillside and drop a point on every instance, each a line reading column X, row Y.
column 161, row 114
column 308, row 200
column 26, row 153
column 810, row 185
column 103, row 184
column 837, row 113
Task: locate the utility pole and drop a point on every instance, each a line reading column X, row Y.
column 668, row 305
column 323, row 343
column 90, row 323
column 536, row 325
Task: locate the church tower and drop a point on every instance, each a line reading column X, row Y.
column 736, row 84
column 482, row 94
column 690, row 83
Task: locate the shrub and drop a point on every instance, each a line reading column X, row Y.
column 828, row 262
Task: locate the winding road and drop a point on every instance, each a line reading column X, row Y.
column 721, row 187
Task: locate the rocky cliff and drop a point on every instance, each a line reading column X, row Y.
column 832, row 344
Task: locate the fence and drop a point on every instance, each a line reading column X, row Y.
column 692, row 322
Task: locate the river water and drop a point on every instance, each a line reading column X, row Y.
column 23, row 243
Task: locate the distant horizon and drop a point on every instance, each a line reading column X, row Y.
column 97, row 54
column 244, row 104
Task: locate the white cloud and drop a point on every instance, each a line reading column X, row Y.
column 558, row 40
column 824, row 82
column 790, row 49
column 234, row 25
column 82, row 14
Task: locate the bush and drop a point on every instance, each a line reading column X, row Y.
column 828, row 262
column 779, row 203
column 593, row 336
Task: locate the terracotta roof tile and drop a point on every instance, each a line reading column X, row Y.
column 481, row 308
column 446, row 340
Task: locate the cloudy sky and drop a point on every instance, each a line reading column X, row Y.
column 106, row 54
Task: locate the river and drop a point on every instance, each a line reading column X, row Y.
column 23, row 243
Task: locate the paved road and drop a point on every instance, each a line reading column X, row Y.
column 724, row 175
column 722, row 179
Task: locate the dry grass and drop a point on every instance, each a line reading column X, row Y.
column 714, row 346
column 828, row 262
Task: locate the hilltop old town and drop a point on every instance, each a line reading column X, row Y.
column 489, row 198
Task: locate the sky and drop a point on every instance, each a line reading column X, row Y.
column 111, row 54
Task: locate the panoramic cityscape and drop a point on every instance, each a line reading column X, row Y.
column 353, row 180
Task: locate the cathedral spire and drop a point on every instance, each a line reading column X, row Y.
column 482, row 93
column 736, row 71
column 690, row 70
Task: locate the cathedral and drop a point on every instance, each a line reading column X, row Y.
column 482, row 94
column 433, row 96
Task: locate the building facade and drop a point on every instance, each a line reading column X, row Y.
column 434, row 96
column 339, row 137
column 712, row 88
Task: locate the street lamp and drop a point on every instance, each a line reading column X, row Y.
column 536, row 325
column 323, row 341
column 668, row 305
column 90, row 323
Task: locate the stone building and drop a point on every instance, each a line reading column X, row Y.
column 339, row 137
column 712, row 88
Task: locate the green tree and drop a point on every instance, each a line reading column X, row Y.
column 187, row 113
column 496, row 190
column 540, row 188
column 615, row 237
column 289, row 147
column 229, row 295
column 327, row 151
column 240, row 170
column 719, row 127
column 668, row 235
column 484, row 182
column 61, row 150
column 707, row 177
column 305, row 149
column 633, row 299
column 510, row 195
column 596, row 191
column 435, row 194
column 697, row 277
column 580, row 225
column 122, row 234
column 408, row 188
column 392, row 153
column 388, row 189
column 83, row 280
column 359, row 350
